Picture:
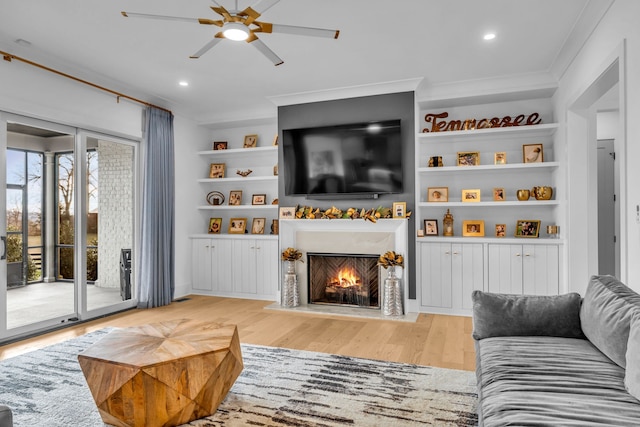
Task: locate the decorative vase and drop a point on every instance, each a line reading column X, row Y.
column 290, row 295
column 392, row 294
column 523, row 195
column 447, row 222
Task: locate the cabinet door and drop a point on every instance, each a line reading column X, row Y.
column 267, row 262
column 201, row 264
column 221, row 270
column 467, row 273
column 435, row 274
column 505, row 269
column 244, row 266
column 540, row 269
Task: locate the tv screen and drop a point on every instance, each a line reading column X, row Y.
column 354, row 159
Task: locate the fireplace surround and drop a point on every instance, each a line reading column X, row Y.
column 358, row 237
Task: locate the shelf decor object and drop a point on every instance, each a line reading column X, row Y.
column 447, row 224
column 215, row 198
column 392, row 292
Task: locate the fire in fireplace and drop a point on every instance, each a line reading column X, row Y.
column 343, row 279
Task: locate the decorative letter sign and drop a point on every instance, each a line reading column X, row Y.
column 438, row 124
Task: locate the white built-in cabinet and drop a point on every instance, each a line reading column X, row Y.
column 452, row 271
column 524, row 269
column 239, row 267
column 450, row 268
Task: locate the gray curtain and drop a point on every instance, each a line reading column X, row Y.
column 156, row 278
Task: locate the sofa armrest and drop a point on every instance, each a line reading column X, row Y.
column 6, row 417
column 499, row 315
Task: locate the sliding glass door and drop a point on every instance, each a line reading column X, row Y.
column 68, row 226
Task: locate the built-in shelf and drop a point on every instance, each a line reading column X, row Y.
column 518, row 203
column 239, row 207
column 238, row 179
column 540, row 130
column 236, row 152
column 489, row 168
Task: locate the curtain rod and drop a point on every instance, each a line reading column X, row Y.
column 9, row 57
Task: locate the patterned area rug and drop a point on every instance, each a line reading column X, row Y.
column 278, row 387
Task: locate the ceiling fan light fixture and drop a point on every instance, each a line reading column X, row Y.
column 235, row 31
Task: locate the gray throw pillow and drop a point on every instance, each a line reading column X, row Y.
column 632, row 373
column 606, row 314
column 499, row 315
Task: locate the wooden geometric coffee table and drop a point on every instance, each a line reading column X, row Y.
column 163, row 374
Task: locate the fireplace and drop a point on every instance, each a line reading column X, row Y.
column 343, row 279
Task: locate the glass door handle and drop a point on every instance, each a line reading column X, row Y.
column 4, row 247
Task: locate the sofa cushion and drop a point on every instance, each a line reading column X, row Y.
column 606, row 314
column 550, row 381
column 632, row 374
column 496, row 315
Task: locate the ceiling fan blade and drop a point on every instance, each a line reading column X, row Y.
column 263, row 5
column 222, row 12
column 207, row 47
column 258, row 44
column 171, row 18
column 304, row 31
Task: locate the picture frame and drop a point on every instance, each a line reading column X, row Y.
column 237, row 225
column 275, row 226
column 399, row 210
column 438, row 194
column 215, row 225
column 259, row 199
column 430, row 227
column 527, row 228
column 468, row 158
column 471, row 195
column 235, row 197
column 473, row 228
column 275, row 170
column 532, row 153
column 435, row 162
column 220, row 145
column 250, row 141
column 217, row 170
column 257, row 225
column 287, row 212
column 275, row 140
column 500, row 158
column 501, row 230
column 499, row 195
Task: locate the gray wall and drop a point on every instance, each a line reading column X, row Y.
column 355, row 110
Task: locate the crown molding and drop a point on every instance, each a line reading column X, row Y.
column 346, row 92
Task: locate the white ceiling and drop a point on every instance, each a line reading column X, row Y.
column 380, row 41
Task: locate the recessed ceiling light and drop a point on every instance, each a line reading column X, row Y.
column 489, row 36
column 183, row 83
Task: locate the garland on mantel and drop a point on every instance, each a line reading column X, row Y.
column 373, row 214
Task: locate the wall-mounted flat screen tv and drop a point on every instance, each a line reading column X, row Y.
column 361, row 159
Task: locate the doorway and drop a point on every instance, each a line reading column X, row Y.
column 71, row 203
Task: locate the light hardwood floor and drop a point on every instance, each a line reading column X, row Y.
column 433, row 340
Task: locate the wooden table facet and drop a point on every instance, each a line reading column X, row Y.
column 163, row 374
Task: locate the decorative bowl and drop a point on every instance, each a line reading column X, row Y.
column 523, row 195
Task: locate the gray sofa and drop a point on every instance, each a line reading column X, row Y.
column 559, row 360
column 6, row 417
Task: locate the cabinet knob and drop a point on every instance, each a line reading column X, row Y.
column 447, row 253
column 455, row 253
column 207, row 246
column 518, row 254
column 527, row 254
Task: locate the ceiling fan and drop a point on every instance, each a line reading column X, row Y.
column 239, row 25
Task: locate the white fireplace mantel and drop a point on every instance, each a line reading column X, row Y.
column 356, row 236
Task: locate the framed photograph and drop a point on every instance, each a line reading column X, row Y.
column 438, row 194
column 288, row 213
column 275, row 227
column 257, row 225
column 468, row 158
column 501, row 230
column 399, row 210
column 250, row 141
column 259, row 199
column 435, row 162
column 473, row 228
column 471, row 195
column 500, row 158
column 220, row 145
column 532, row 153
column 275, row 170
column 215, row 224
column 430, row 227
column 499, row 194
column 527, row 228
column 235, row 197
column 275, row 140
column 216, row 170
column 237, row 225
